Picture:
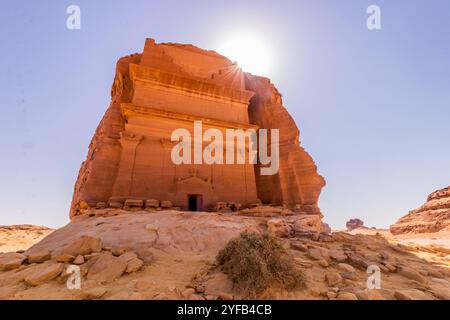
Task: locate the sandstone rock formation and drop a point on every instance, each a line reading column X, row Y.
column 354, row 224
column 432, row 216
column 167, row 87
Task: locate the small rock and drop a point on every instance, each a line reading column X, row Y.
column 331, row 294
column 39, row 257
column 11, row 260
column 323, row 263
column 346, row 267
column 333, row 278
column 94, row 293
column 78, row 260
column 119, row 251
column 134, row 265
column 64, row 258
column 107, row 268
column 128, row 256
column 346, row 296
column 44, row 272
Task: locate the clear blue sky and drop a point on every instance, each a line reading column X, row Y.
column 373, row 107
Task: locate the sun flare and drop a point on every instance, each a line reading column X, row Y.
column 249, row 51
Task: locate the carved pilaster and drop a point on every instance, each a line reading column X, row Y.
column 122, row 187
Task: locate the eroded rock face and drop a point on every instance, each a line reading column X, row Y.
column 169, row 86
column 432, row 216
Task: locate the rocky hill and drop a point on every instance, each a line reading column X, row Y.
column 171, row 255
column 432, row 216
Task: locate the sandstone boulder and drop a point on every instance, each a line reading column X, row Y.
column 11, row 260
column 44, row 272
column 106, row 268
column 83, row 246
column 39, row 257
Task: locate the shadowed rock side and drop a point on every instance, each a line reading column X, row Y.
column 167, row 87
column 433, row 216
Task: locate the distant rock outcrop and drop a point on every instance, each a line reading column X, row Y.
column 354, row 224
column 433, row 216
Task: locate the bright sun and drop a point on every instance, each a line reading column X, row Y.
column 251, row 54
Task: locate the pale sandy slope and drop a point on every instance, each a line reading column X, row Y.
column 21, row 237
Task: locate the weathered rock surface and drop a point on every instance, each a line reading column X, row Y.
column 432, row 216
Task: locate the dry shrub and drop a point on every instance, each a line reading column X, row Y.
column 257, row 262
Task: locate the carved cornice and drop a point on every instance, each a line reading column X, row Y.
column 130, row 110
column 191, row 85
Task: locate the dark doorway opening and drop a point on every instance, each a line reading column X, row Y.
column 193, row 202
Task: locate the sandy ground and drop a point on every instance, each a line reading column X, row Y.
column 440, row 239
column 21, row 237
